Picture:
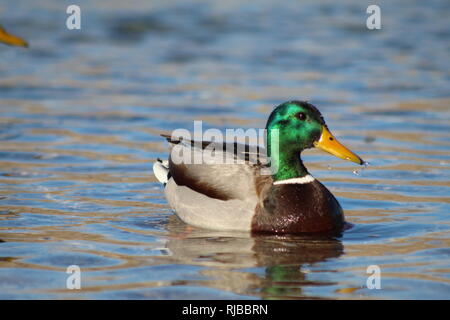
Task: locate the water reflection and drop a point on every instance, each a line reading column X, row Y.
column 268, row 266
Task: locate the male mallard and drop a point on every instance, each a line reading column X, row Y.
column 11, row 39
column 239, row 197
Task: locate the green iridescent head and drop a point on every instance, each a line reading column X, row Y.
column 299, row 124
column 294, row 126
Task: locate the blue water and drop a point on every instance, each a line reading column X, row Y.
column 80, row 117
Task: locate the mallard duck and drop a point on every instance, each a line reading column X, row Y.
column 10, row 39
column 240, row 196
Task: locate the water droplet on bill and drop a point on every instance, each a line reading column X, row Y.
column 364, row 166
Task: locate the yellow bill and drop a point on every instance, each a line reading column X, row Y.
column 328, row 143
column 11, row 40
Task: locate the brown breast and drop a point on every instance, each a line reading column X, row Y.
column 297, row 208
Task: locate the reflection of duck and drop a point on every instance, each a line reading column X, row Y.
column 228, row 259
column 239, row 197
column 10, row 39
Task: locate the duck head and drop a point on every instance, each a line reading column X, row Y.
column 293, row 127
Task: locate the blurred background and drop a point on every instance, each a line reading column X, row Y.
column 80, row 117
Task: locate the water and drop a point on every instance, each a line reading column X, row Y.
column 81, row 111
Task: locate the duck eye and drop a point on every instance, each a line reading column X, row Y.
column 301, row 116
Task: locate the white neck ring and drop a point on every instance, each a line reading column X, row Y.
column 301, row 180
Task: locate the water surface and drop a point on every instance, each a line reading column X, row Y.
column 80, row 117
